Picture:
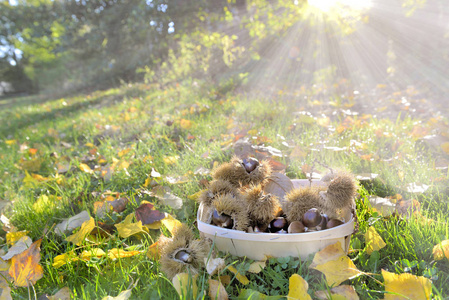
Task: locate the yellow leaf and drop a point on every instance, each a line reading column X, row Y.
column 170, row 222
column 63, row 259
column 124, row 152
column 406, row 286
column 185, row 124
column 153, row 251
column 13, row 237
column 85, row 229
column 4, row 266
column 85, row 168
column 90, row 145
column 25, row 268
column 94, row 252
column 257, row 266
column 196, row 195
column 334, row 264
column 341, row 292
column 217, row 290
column 185, row 285
column 297, row 289
column 242, row 278
column 44, row 203
column 373, row 240
column 127, row 228
column 120, row 253
column 122, row 296
column 441, row 250
column 170, row 160
column 10, row 142
column 155, row 225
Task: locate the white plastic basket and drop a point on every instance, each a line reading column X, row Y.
column 258, row 245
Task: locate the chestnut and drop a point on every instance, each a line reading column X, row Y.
column 296, row 227
column 222, row 220
column 312, row 218
column 334, row 223
column 183, row 256
column 323, row 223
column 278, row 224
column 250, row 164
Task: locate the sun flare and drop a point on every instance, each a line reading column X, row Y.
column 327, row 5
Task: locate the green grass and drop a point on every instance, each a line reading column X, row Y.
column 136, row 117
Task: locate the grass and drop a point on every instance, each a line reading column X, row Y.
column 140, row 126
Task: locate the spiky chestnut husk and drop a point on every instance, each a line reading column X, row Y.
column 262, row 208
column 340, row 191
column 217, row 187
column 232, row 206
column 236, row 173
column 298, row 201
column 182, row 241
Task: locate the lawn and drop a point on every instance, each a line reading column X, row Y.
column 143, row 142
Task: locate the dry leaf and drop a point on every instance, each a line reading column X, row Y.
column 343, row 292
column 406, row 208
column 154, row 251
column 213, row 265
column 25, row 268
column 102, row 208
column 335, row 265
column 255, row 295
column 116, row 253
column 406, row 286
column 373, row 240
column 297, row 289
column 13, row 237
column 170, row 200
column 122, row 296
column 119, row 205
column 217, row 290
column 94, row 252
column 62, row 294
column 185, row 124
column 72, row 223
column 85, row 229
column 278, row 185
column 242, row 278
column 86, row 169
column 63, row 259
column 147, row 214
column 170, row 160
column 20, row 246
column 127, row 228
column 441, row 250
column 257, row 266
column 170, row 222
column 381, row 205
column 5, row 290
column 185, row 285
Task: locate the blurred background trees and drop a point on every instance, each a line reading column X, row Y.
column 69, row 45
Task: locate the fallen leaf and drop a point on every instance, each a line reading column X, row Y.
column 94, row 252
column 5, row 290
column 343, row 292
column 297, row 288
column 122, row 296
column 13, row 237
column 154, row 251
column 257, row 266
column 170, row 160
column 217, row 290
column 406, row 286
column 72, row 223
column 119, row 204
column 154, row 173
column 64, row 259
column 373, row 240
column 417, row 188
column 406, row 208
column 147, row 214
column 185, row 285
column 170, row 222
column 441, row 250
column 19, row 247
column 385, row 207
column 62, row 294
column 102, row 208
column 85, row 168
column 279, row 185
column 85, row 229
column 336, row 268
column 25, row 267
column 213, row 265
column 241, row 278
column 185, row 124
column 116, row 253
column 127, row 228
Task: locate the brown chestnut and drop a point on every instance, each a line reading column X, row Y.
column 183, row 256
column 222, row 220
column 334, row 223
column 250, row 164
column 323, row 223
column 311, row 218
column 278, row 224
column 296, row 227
